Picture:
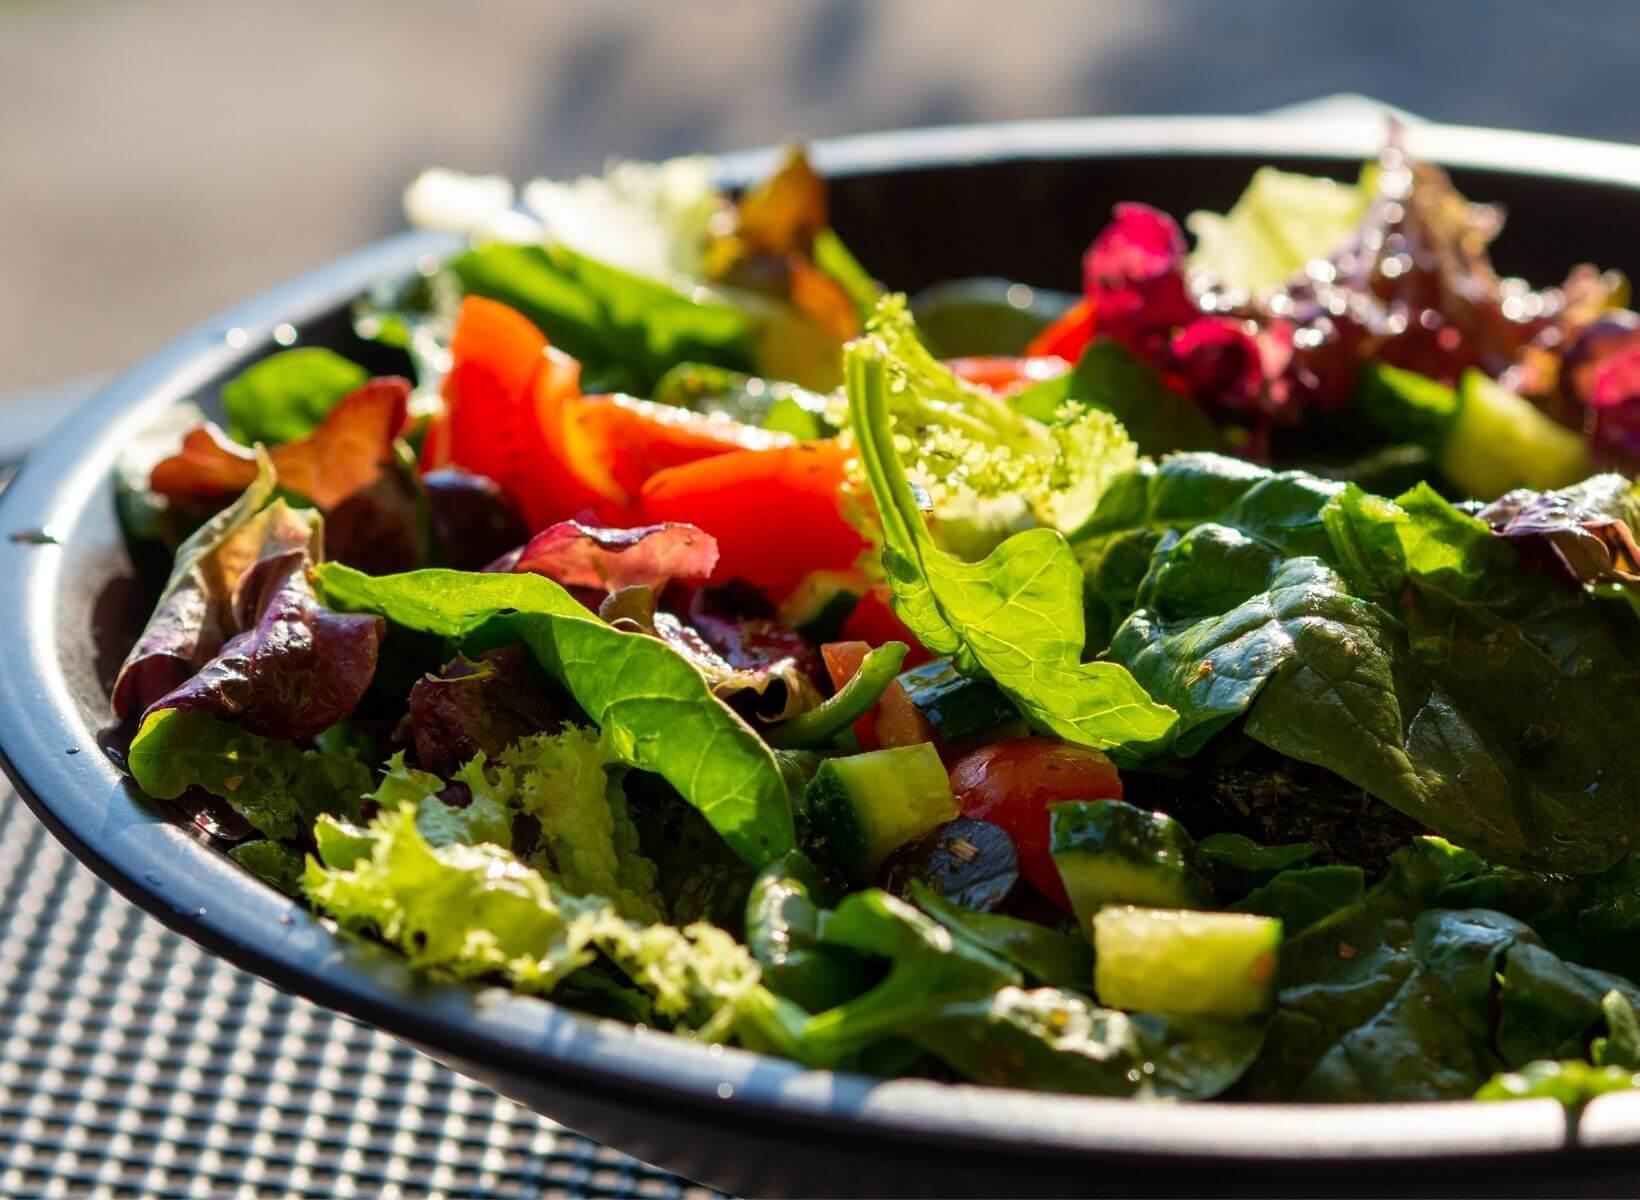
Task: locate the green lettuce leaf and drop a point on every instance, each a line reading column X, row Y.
column 277, row 864
column 476, row 911
column 1281, row 222
column 588, row 840
column 655, row 710
column 274, row 784
column 286, row 395
column 970, row 445
column 1016, row 616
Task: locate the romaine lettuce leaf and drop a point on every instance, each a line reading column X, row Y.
column 1016, row 616
column 655, row 710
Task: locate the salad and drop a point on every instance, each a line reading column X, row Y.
column 1213, row 684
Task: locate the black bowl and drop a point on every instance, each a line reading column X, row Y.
column 1015, row 200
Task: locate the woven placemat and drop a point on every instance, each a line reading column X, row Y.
column 133, row 1063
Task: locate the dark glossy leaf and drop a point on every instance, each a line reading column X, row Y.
column 478, row 707
column 1047, row 956
column 771, row 404
column 1303, row 897
column 287, row 395
column 783, row 917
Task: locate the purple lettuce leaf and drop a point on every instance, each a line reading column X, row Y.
column 1583, row 534
column 473, row 520
column 191, row 620
column 295, row 668
column 587, row 556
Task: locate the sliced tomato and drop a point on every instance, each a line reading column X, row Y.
column 1006, row 375
column 1068, row 336
column 874, row 622
column 1012, row 783
column 774, row 512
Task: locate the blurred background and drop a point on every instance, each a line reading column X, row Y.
column 160, row 159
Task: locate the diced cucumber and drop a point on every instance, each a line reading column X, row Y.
column 1404, row 406
column 864, row 807
column 1500, row 441
column 1112, row 852
column 956, row 705
column 820, row 604
column 1178, row 961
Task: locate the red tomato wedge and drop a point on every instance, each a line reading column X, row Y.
column 1068, row 336
column 773, row 512
column 1004, row 375
column 1011, row 784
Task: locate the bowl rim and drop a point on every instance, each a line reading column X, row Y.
column 54, row 756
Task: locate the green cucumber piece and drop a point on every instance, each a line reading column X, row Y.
column 820, row 604
column 1500, row 441
column 1172, row 960
column 1112, row 852
column 862, row 808
column 1397, row 405
column 956, row 705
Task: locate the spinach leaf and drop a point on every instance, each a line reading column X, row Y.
column 1526, row 680
column 1109, row 378
column 1016, row 616
column 274, row 784
column 783, row 917
column 656, row 711
column 1240, row 864
column 768, row 403
column 1046, row 955
column 967, row 1007
column 287, row 395
column 1303, row 897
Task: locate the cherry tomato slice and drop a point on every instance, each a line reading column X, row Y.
column 1011, row 784
column 774, row 512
